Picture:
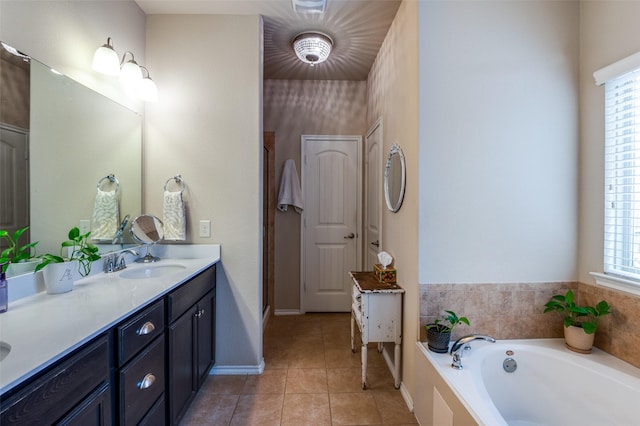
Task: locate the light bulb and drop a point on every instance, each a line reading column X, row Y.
column 105, row 60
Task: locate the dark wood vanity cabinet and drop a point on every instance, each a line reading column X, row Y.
column 190, row 335
column 75, row 391
column 143, row 371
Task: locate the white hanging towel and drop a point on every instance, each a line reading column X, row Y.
column 290, row 193
column 173, row 218
column 104, row 221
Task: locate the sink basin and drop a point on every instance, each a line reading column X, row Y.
column 5, row 348
column 151, row 271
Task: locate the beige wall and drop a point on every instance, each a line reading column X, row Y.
column 207, row 126
column 293, row 108
column 393, row 96
column 498, row 141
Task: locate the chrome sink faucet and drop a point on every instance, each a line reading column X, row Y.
column 462, row 344
column 115, row 262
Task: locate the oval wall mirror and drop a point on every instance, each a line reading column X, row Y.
column 148, row 230
column 394, row 178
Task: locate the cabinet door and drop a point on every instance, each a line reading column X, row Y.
column 181, row 360
column 95, row 410
column 206, row 342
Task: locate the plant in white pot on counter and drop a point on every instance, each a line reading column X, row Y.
column 59, row 271
column 17, row 259
column 439, row 332
column 580, row 322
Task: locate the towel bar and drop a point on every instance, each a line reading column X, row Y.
column 178, row 179
column 111, row 178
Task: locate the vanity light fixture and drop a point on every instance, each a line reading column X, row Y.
column 312, row 47
column 147, row 89
column 130, row 72
column 105, row 61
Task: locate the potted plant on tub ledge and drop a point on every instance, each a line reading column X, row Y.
column 60, row 272
column 439, row 332
column 580, row 322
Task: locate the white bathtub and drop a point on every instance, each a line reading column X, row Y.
column 551, row 385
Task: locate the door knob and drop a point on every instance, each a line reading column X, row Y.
column 350, row 236
column 376, row 243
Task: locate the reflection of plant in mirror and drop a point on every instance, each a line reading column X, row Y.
column 13, row 253
column 79, row 249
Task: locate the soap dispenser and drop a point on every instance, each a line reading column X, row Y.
column 4, row 292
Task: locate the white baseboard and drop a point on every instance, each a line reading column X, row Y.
column 406, row 396
column 235, row 370
column 287, row 312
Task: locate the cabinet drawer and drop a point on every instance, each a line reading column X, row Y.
column 141, row 383
column 139, row 331
column 189, row 293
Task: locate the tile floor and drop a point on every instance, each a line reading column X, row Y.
column 310, row 378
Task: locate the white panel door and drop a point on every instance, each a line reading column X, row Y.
column 372, row 195
column 14, row 179
column 331, row 221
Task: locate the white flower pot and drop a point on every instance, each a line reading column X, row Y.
column 22, row 267
column 59, row 277
column 577, row 340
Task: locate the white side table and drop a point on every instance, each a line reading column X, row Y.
column 377, row 310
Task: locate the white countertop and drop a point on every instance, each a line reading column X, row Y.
column 43, row 328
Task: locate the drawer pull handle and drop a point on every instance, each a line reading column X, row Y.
column 147, row 381
column 147, row 328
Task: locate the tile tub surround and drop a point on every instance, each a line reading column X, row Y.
column 515, row 311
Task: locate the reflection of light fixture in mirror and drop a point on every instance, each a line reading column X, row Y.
column 147, row 89
column 15, row 52
column 312, row 47
column 105, row 60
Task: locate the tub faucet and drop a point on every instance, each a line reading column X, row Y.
column 463, row 344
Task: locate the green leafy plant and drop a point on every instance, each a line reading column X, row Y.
column 586, row 317
column 79, row 249
column 14, row 253
column 447, row 323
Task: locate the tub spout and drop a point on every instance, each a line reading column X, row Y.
column 462, row 344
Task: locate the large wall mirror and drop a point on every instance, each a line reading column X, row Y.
column 394, row 178
column 74, row 137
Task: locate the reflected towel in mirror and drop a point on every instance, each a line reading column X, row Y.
column 173, row 219
column 106, row 215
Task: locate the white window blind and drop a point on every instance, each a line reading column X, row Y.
column 622, row 175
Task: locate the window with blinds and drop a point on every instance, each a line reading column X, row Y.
column 622, row 175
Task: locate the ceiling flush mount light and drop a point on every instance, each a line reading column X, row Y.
column 105, row 60
column 312, row 47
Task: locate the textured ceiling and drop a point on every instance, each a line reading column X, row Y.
column 357, row 27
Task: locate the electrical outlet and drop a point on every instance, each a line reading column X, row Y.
column 85, row 226
column 205, row 229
